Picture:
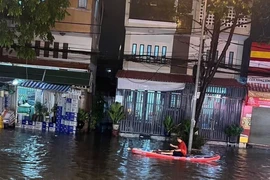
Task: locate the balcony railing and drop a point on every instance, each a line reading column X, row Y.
column 147, row 59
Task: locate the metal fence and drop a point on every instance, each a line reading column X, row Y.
column 146, row 110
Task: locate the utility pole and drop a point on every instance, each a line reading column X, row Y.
column 194, row 102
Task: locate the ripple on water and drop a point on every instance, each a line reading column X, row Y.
column 34, row 155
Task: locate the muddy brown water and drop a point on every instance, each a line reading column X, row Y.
column 37, row 155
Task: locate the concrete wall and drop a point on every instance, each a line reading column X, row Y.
column 83, row 16
column 197, row 9
column 76, row 41
column 180, row 54
column 236, row 46
column 146, row 67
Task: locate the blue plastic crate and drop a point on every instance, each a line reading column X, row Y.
column 59, row 108
column 44, row 124
column 71, row 128
column 30, row 123
column 44, row 128
column 68, row 100
column 51, row 124
column 24, row 122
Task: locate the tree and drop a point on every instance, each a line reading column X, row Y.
column 24, row 20
column 259, row 10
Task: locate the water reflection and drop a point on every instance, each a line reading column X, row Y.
column 36, row 155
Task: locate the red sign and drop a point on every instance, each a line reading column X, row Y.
column 258, row 102
column 245, row 123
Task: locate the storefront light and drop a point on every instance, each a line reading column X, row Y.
column 15, row 82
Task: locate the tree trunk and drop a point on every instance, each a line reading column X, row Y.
column 209, row 64
column 212, row 63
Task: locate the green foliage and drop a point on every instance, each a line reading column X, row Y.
column 97, row 110
column 83, row 115
column 30, row 19
column 38, row 108
column 233, row 130
column 116, row 112
column 54, row 108
column 41, row 109
column 168, row 124
column 44, row 109
column 183, row 130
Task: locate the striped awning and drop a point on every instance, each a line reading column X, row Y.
column 45, row 86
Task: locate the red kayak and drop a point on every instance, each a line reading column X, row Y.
column 196, row 158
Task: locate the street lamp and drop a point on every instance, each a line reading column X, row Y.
column 196, row 93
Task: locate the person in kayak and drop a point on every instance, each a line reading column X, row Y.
column 180, row 150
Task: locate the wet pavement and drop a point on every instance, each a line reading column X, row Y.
column 37, row 155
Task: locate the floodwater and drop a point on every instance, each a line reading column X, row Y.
column 37, row 155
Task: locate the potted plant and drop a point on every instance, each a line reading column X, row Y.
column 38, row 112
column 83, row 119
column 97, row 113
column 168, row 126
column 233, row 131
column 116, row 113
column 53, row 111
column 46, row 115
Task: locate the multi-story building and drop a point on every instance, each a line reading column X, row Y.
column 235, row 51
column 70, row 59
column 156, row 77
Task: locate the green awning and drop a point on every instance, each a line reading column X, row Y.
column 45, row 75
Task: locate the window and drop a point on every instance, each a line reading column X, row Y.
column 207, row 55
column 37, row 50
column 223, row 60
column 96, row 9
column 82, row 4
column 217, row 56
column 164, row 51
column 149, row 50
column 175, row 100
column 141, row 50
column 231, row 58
column 134, row 49
column 55, row 50
column 156, row 52
column 47, row 49
column 65, row 51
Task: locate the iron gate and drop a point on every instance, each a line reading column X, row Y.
column 146, row 111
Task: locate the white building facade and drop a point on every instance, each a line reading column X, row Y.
column 149, row 45
column 235, row 51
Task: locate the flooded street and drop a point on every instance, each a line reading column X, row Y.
column 36, row 155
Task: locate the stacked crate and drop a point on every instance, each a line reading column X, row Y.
column 72, row 103
column 60, row 115
column 66, row 120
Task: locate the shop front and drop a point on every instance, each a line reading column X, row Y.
column 7, row 102
column 256, row 110
column 46, row 99
column 47, row 107
column 255, row 119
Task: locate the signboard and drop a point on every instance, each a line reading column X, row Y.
column 259, row 63
column 245, row 123
column 258, row 102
